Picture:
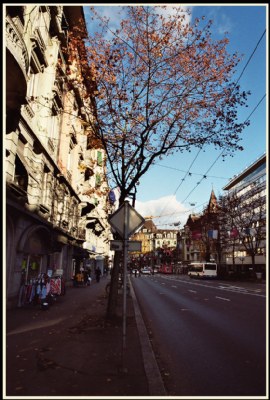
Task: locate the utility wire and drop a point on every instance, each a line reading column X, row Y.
column 248, row 61
column 205, row 175
column 221, row 153
column 182, row 180
column 193, row 173
column 255, row 108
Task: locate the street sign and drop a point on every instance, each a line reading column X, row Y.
column 132, row 245
column 126, row 220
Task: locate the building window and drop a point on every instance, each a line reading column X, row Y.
column 20, row 174
column 98, row 180
column 70, row 156
column 99, row 158
column 46, row 189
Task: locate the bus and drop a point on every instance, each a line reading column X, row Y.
column 202, row 270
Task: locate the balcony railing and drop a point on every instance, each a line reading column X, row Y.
column 51, row 146
column 69, row 176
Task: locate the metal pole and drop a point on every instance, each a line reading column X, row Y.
column 125, row 250
column 125, row 274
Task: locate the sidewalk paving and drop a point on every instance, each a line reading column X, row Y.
column 71, row 350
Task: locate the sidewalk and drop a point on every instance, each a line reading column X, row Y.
column 71, row 350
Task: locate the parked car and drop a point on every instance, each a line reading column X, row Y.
column 146, row 271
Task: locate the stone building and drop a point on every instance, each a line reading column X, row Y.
column 50, row 165
column 156, row 244
column 199, row 240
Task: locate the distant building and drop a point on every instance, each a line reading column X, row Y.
column 234, row 238
column 156, row 244
column 247, row 245
column 198, row 239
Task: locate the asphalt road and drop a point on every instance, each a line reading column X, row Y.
column 209, row 337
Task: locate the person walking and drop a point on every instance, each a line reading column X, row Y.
column 98, row 273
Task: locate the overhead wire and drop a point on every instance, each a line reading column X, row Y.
column 188, row 173
column 192, row 173
column 205, row 175
column 182, row 180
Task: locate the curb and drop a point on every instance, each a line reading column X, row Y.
column 155, row 382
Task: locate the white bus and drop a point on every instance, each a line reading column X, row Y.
column 202, row 270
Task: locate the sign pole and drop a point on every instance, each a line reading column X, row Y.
column 125, row 248
column 125, row 276
column 125, row 221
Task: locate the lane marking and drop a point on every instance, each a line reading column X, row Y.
column 224, row 286
column 222, row 298
column 192, row 291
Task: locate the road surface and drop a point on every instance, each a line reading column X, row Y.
column 209, row 337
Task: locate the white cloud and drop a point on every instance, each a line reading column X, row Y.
column 222, row 23
column 170, row 10
column 116, row 12
column 167, row 212
column 225, row 24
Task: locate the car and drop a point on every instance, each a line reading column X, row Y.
column 146, row 271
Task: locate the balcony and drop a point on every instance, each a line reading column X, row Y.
column 57, row 91
column 39, row 49
column 17, row 65
column 15, row 43
column 16, row 191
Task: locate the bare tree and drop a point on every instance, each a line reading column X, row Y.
column 161, row 85
column 243, row 216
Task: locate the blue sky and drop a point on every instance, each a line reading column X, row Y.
column 162, row 191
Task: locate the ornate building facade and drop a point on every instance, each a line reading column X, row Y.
column 50, row 166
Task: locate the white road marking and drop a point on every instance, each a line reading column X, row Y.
column 224, row 286
column 222, row 298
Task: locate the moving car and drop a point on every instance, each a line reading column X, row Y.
column 146, row 271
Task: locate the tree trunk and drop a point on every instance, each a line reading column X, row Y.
column 113, row 295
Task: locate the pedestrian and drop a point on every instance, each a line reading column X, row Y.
column 98, row 273
column 74, row 281
column 89, row 278
column 85, row 277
